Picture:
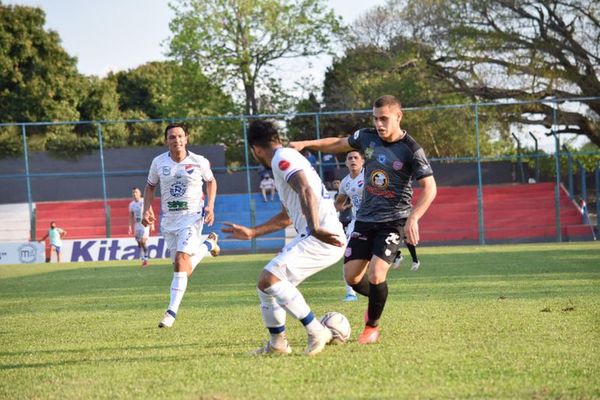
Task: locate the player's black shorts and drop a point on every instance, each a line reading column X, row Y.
column 382, row 239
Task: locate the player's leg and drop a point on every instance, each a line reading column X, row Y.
column 385, row 246
column 180, row 277
column 57, row 250
column 350, row 292
column 304, row 257
column 199, row 249
column 413, row 254
column 357, row 256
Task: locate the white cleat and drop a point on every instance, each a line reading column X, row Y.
column 167, row 321
column 317, row 342
column 397, row 261
column 212, row 239
column 268, row 348
column 415, row 266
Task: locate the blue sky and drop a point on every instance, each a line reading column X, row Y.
column 108, row 35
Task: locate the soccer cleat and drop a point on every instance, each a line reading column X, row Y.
column 415, row 266
column 397, row 261
column 144, row 263
column 268, row 348
column 317, row 341
column 369, row 335
column 212, row 239
column 167, row 320
column 350, row 297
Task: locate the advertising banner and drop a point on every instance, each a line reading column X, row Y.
column 22, row 253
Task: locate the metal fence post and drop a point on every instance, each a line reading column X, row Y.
column 570, row 171
column 32, row 219
column 248, row 183
column 318, row 133
column 103, row 174
column 537, row 158
column 519, row 159
column 598, row 196
column 479, row 180
column 557, row 167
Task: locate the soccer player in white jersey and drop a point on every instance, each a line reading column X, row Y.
column 141, row 232
column 319, row 242
column 181, row 175
column 350, row 195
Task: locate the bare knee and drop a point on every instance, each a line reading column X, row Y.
column 266, row 280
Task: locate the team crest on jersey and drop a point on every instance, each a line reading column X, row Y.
column 360, row 183
column 177, row 189
column 397, row 165
column 189, row 168
column 166, row 170
column 369, row 152
column 283, row 165
column 381, row 158
column 380, row 179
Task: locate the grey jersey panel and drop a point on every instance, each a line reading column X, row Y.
column 389, row 172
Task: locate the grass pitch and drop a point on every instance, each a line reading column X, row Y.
column 518, row 321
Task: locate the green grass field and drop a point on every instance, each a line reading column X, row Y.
column 518, row 321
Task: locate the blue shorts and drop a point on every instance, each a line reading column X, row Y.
column 57, row 248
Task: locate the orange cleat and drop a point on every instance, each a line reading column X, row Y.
column 369, row 335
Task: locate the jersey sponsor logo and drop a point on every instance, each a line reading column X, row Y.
column 348, row 252
column 166, row 171
column 380, row 179
column 189, row 168
column 381, row 158
column 283, row 165
column 356, row 135
column 369, row 151
column 177, row 189
column 177, row 205
column 397, row 165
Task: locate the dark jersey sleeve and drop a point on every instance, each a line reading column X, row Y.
column 356, row 139
column 420, row 165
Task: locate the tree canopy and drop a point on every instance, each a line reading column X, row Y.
column 236, row 42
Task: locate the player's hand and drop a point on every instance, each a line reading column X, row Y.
column 298, row 146
column 237, row 231
column 209, row 215
column 411, row 230
column 327, row 237
column 148, row 218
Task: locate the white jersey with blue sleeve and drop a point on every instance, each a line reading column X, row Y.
column 286, row 162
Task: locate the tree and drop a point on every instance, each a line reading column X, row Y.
column 236, row 42
column 38, row 79
column 517, row 49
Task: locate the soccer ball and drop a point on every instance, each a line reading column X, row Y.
column 339, row 326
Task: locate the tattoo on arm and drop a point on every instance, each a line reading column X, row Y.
column 308, row 200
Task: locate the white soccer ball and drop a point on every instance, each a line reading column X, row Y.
column 339, row 326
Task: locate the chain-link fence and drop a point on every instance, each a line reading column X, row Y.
column 504, row 170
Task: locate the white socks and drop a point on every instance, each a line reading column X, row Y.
column 289, row 297
column 198, row 256
column 178, row 286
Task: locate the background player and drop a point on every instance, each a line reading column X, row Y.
column 56, row 236
column 181, row 175
column 392, row 159
column 318, row 244
column 136, row 211
column 350, row 196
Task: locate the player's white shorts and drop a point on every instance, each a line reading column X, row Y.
column 186, row 240
column 141, row 232
column 305, row 256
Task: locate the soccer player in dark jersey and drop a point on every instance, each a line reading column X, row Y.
column 392, row 160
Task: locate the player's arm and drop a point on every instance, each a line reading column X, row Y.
column 310, row 209
column 131, row 222
column 341, row 203
column 209, row 208
column 147, row 215
column 326, row 145
column 44, row 238
column 277, row 222
column 425, row 199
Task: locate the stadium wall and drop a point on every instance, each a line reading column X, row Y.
column 127, row 167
